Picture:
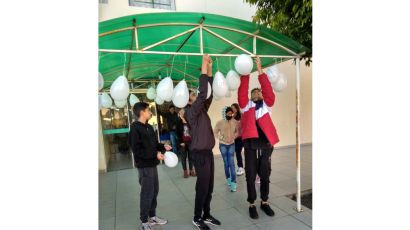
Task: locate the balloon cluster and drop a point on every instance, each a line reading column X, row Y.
column 277, row 79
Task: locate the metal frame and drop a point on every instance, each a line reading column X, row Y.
column 202, row 27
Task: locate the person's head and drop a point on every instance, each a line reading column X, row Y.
column 228, row 113
column 236, row 110
column 142, row 111
column 192, row 97
column 171, row 109
column 256, row 94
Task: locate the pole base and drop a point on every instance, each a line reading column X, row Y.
column 299, row 211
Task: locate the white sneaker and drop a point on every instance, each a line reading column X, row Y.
column 156, row 220
column 240, row 171
column 258, row 180
column 146, row 226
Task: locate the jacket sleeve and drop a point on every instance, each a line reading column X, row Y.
column 199, row 104
column 161, row 148
column 137, row 145
column 209, row 100
column 217, row 129
column 243, row 98
column 267, row 92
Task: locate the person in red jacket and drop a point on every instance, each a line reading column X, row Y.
column 259, row 136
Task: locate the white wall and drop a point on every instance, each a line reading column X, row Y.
column 284, row 110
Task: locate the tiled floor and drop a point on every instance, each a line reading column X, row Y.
column 119, row 197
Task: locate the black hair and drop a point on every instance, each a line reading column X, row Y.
column 138, row 107
column 255, row 89
column 228, row 109
column 171, row 106
column 238, row 111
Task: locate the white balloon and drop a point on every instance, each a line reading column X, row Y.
column 209, row 91
column 243, row 64
column 273, row 74
column 105, row 100
column 159, row 101
column 281, row 83
column 228, row 94
column 120, row 89
column 170, row 159
column 120, row 103
column 100, row 81
column 165, row 89
column 151, row 93
column 233, row 80
column 180, row 94
column 133, row 99
column 219, row 85
column 216, row 98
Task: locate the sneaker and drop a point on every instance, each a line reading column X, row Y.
column 258, row 180
column 200, row 224
column 233, row 187
column 252, row 212
column 212, row 220
column 228, row 182
column 266, row 208
column 240, row 171
column 157, row 220
column 145, row 226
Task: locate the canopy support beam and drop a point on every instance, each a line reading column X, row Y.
column 168, row 39
column 298, row 192
column 226, row 40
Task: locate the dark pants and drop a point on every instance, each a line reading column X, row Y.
column 148, row 179
column 204, row 166
column 257, row 161
column 238, row 151
column 184, row 155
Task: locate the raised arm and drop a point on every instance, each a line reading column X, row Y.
column 243, row 97
column 266, row 87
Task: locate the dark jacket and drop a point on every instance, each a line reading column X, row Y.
column 197, row 117
column 171, row 119
column 144, row 145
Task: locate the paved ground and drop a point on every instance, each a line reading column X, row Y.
column 119, row 197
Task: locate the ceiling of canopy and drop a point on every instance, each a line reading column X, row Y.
column 170, row 44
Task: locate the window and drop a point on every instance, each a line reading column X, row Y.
column 103, row 1
column 158, row 4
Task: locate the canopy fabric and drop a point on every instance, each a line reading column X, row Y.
column 141, row 68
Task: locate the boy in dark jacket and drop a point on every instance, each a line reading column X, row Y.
column 201, row 147
column 147, row 154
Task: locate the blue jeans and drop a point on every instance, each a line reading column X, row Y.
column 173, row 137
column 228, row 154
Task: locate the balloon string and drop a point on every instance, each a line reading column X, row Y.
column 123, row 69
column 172, row 66
column 186, row 60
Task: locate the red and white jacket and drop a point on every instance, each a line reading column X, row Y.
column 261, row 115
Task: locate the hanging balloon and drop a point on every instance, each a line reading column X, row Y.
column 216, row 98
column 180, row 94
column 244, row 64
column 165, row 89
column 133, row 99
column 281, row 83
column 120, row 89
column 209, row 91
column 105, row 100
column 100, row 81
column 233, row 80
column 170, row 159
column 219, row 85
column 120, row 103
column 159, row 101
column 273, row 74
column 228, row 94
column 151, row 93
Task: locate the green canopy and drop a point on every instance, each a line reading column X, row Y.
column 160, row 52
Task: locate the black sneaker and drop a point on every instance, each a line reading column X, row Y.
column 266, row 208
column 200, row 225
column 252, row 212
column 211, row 220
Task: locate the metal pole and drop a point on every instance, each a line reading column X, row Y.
column 168, row 39
column 191, row 54
column 201, row 44
column 298, row 195
column 226, row 40
column 254, row 45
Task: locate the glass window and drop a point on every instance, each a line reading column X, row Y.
column 158, row 4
